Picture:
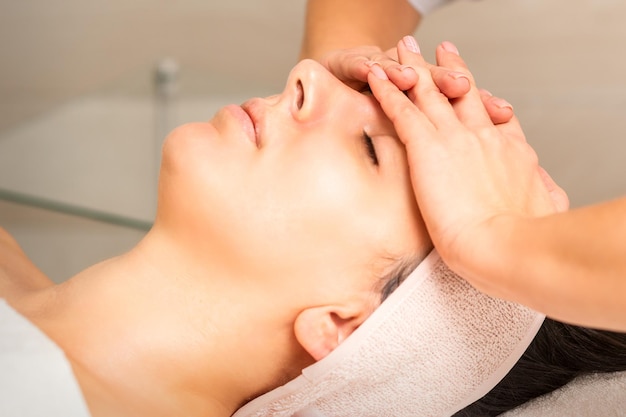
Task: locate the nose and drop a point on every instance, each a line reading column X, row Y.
column 311, row 89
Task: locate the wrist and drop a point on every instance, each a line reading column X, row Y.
column 494, row 256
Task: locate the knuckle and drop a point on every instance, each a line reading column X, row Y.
column 428, row 90
column 402, row 111
column 530, row 154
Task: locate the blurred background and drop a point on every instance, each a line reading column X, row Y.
column 89, row 89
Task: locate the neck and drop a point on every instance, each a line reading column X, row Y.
column 147, row 337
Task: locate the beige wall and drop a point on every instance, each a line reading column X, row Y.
column 562, row 65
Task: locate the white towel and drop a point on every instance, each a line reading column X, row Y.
column 433, row 347
column 596, row 395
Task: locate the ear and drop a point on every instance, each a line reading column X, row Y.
column 321, row 329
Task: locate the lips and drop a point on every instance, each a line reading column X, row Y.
column 244, row 121
column 254, row 110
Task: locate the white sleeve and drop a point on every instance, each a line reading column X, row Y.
column 426, row 6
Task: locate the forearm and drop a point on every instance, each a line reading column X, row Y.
column 339, row 24
column 570, row 265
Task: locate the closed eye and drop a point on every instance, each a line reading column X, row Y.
column 369, row 147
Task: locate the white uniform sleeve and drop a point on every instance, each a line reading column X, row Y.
column 426, row 6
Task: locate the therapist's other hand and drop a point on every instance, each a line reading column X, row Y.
column 471, row 178
column 352, row 67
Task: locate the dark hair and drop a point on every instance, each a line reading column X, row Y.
column 559, row 353
column 397, row 275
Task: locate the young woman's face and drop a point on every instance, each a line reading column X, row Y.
column 290, row 188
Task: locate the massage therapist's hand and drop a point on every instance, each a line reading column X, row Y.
column 474, row 181
column 352, row 67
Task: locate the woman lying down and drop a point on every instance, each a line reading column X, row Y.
column 281, row 225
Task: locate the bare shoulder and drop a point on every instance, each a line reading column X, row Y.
column 18, row 274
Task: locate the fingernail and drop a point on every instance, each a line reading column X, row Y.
column 411, row 44
column 485, row 92
column 458, row 75
column 501, row 103
column 449, row 46
column 378, row 71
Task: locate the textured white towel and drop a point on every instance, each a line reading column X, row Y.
column 598, row 395
column 433, row 347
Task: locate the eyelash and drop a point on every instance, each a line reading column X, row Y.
column 369, row 146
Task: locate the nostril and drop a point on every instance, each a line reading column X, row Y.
column 299, row 94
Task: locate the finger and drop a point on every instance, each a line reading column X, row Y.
column 512, row 130
column 469, row 108
column 352, row 70
column 408, row 120
column 392, row 53
column 402, row 76
column 426, row 94
column 499, row 110
column 451, row 83
column 350, row 65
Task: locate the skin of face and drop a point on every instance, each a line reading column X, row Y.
column 274, row 225
column 304, row 209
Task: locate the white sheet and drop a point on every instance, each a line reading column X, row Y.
column 35, row 377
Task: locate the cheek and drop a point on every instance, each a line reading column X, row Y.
column 299, row 211
column 199, row 172
column 301, row 205
column 300, row 224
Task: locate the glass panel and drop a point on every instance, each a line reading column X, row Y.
column 62, row 245
column 97, row 156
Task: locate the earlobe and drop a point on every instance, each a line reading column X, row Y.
column 321, row 329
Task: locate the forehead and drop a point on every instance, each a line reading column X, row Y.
column 366, row 104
